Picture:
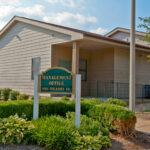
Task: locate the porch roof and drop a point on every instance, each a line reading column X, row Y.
column 89, row 43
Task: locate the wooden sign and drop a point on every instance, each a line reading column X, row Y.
column 56, row 81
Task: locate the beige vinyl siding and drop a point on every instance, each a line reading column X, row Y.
column 101, row 68
column 121, row 66
column 61, row 53
column 126, row 37
column 17, row 48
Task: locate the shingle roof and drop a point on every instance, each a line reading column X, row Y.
column 85, row 33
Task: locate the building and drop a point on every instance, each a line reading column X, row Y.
column 124, row 35
column 103, row 61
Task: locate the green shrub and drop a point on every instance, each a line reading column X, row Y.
column 104, row 141
column 65, row 98
column 13, row 95
column 23, row 97
column 93, row 101
column 59, row 133
column 82, row 99
column 6, row 93
column 46, row 107
column 93, row 143
column 0, row 93
column 15, row 130
column 116, row 102
column 114, row 117
column 32, row 97
column 88, row 143
column 111, row 116
column 88, row 126
column 55, row 133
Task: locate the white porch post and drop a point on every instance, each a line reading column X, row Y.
column 75, row 60
column 132, row 96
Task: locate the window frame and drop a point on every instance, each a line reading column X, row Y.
column 84, row 70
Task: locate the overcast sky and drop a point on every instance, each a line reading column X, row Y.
column 100, row 16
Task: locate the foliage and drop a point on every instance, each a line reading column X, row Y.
column 13, row 95
column 110, row 116
column 5, row 93
column 114, row 117
column 65, row 98
column 88, row 125
column 104, row 141
column 146, row 25
column 0, row 93
column 92, row 143
column 15, row 130
column 116, row 102
column 82, row 99
column 55, row 133
column 46, row 107
column 88, row 142
column 93, row 101
column 23, row 97
column 32, row 97
column 58, row 133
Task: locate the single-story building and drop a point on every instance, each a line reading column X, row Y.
column 103, row 61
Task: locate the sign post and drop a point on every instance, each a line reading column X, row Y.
column 78, row 101
column 36, row 69
column 59, row 81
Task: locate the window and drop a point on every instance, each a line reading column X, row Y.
column 83, row 69
column 65, row 64
column 37, row 62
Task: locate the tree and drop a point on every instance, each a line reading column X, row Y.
column 146, row 25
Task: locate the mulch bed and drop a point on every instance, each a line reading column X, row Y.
column 21, row 147
column 140, row 142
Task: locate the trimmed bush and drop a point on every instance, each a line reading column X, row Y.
column 116, row 102
column 23, row 97
column 114, row 117
column 88, row 126
column 82, row 99
column 6, row 93
column 0, row 93
column 15, row 130
column 32, row 97
column 93, row 101
column 65, row 98
column 14, row 95
column 111, row 116
column 46, row 107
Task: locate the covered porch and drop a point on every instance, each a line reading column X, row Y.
column 93, row 60
column 104, row 67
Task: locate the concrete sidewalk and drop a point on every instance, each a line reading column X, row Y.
column 143, row 123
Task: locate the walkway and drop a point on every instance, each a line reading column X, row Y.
column 143, row 123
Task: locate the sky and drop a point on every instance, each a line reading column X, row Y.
column 98, row 16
